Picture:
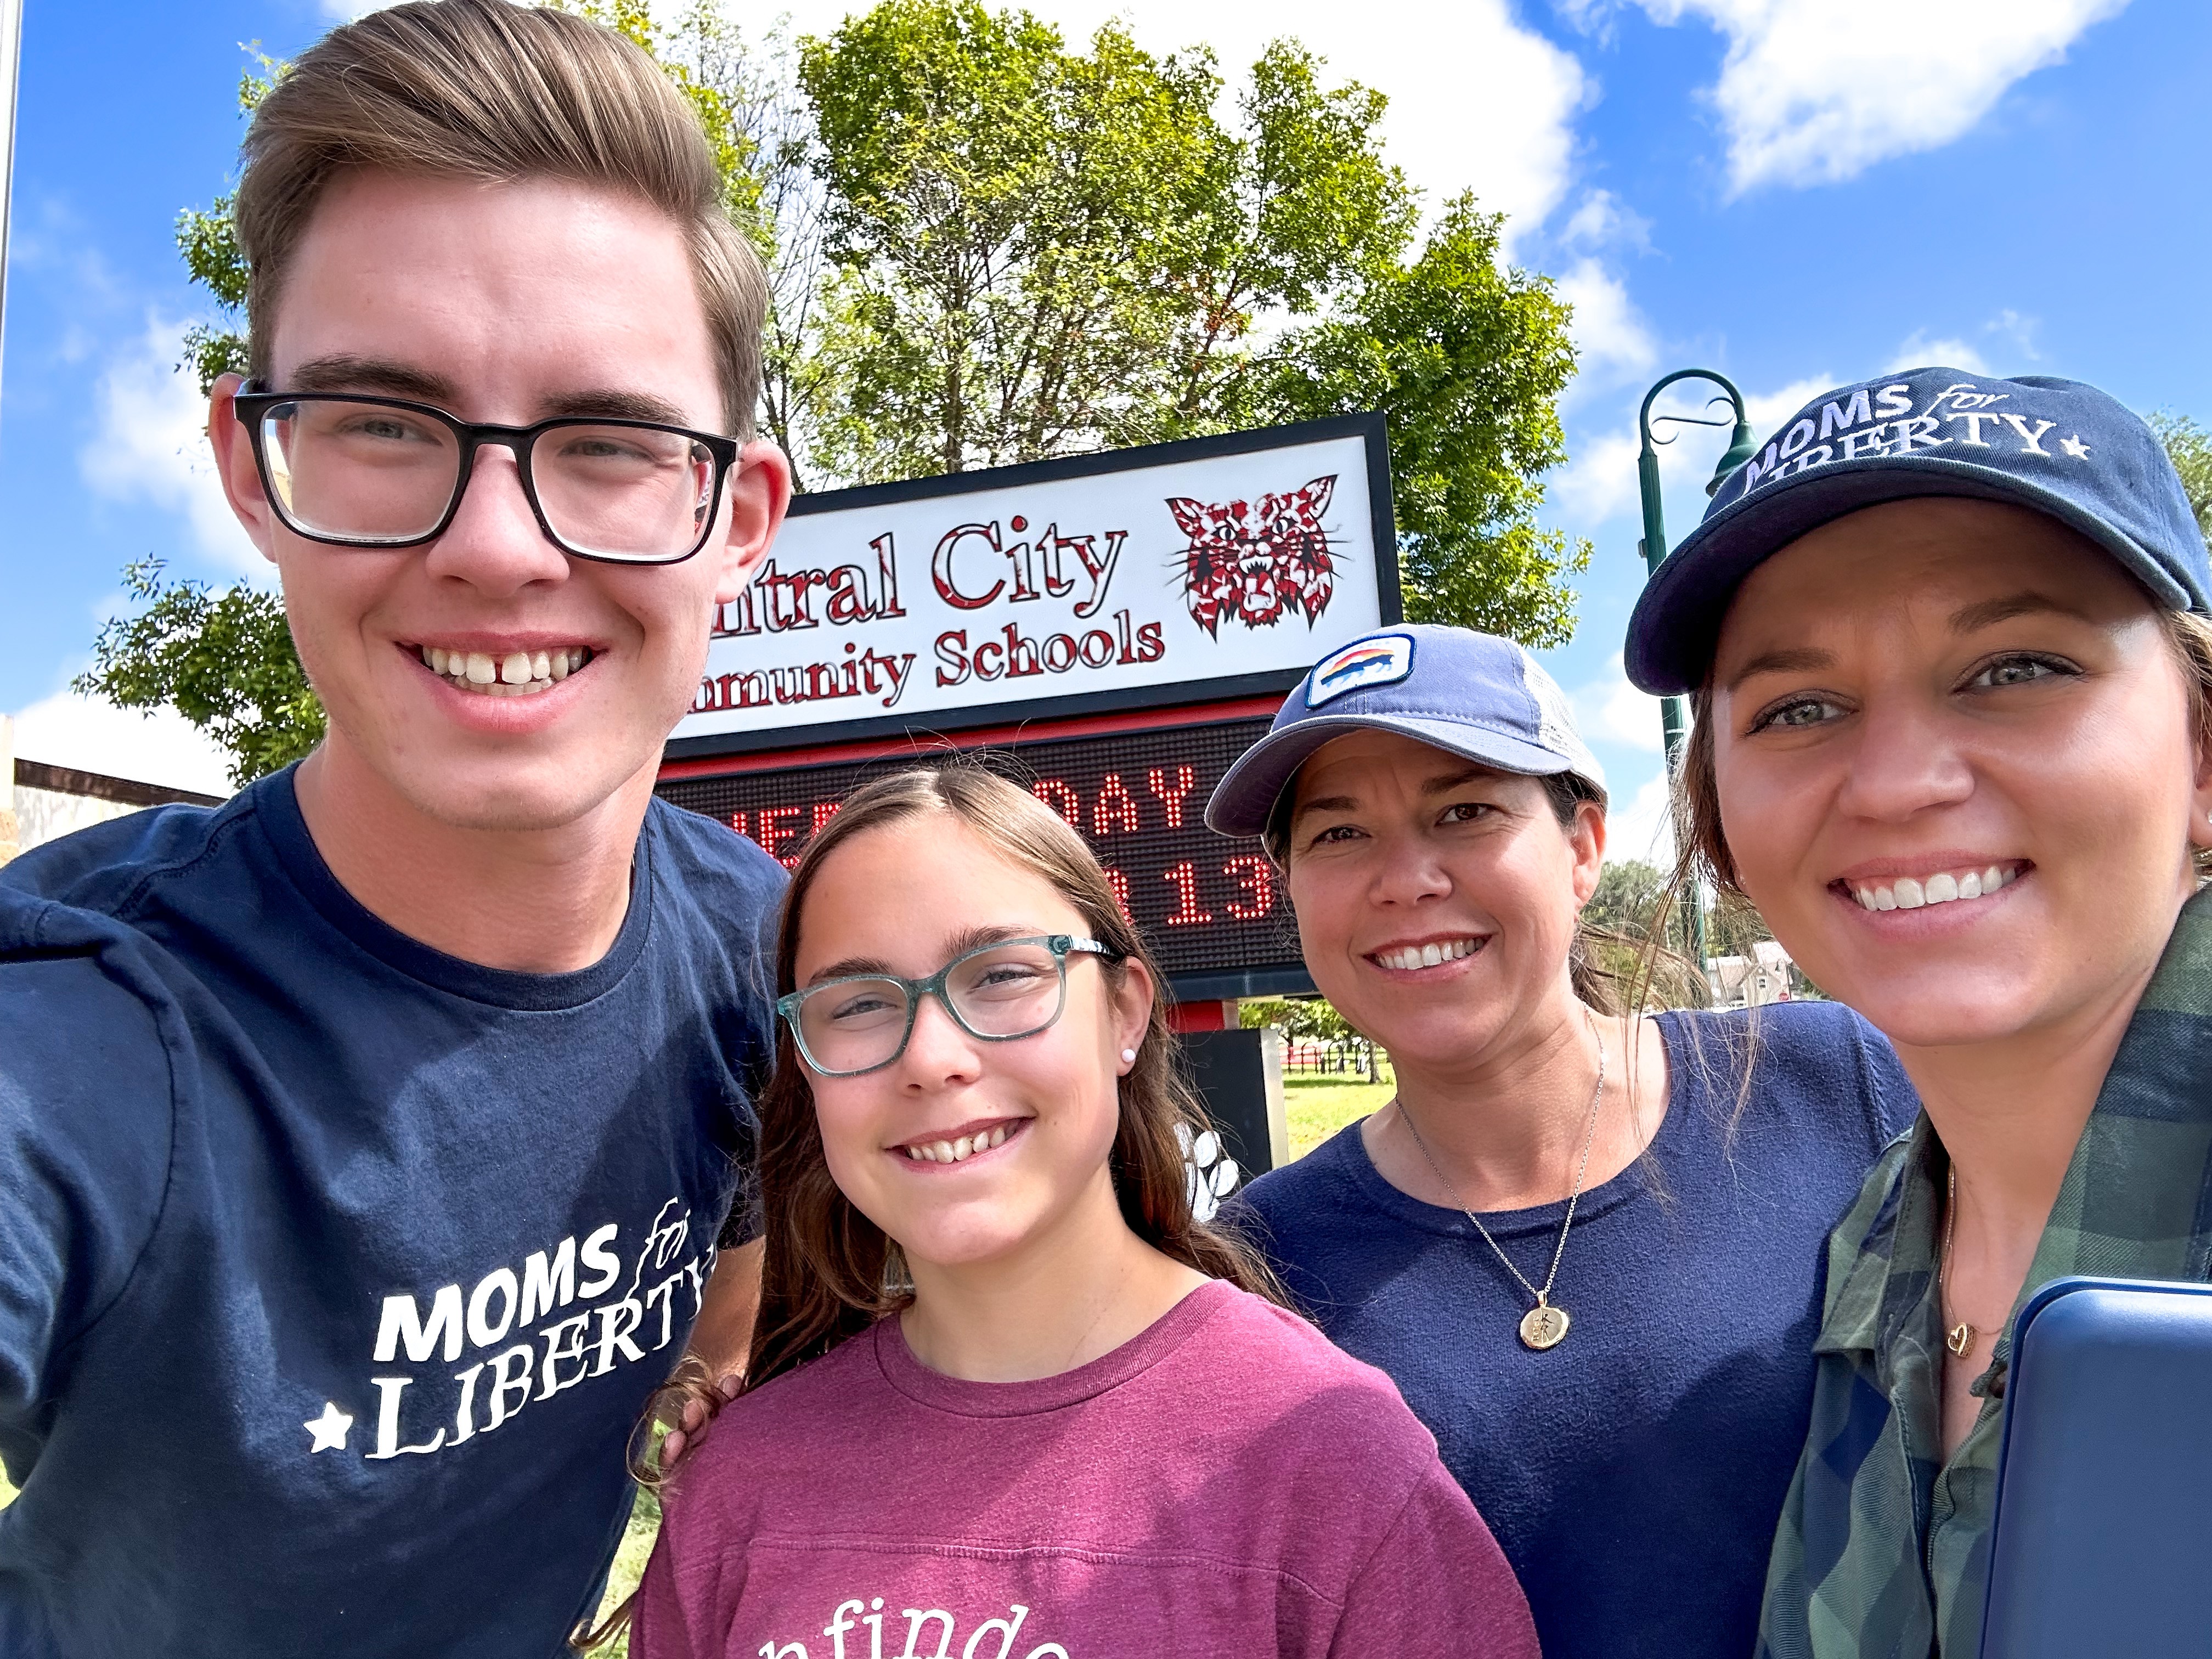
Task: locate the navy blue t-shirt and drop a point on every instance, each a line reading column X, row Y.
column 1634, row 1473
column 334, row 1271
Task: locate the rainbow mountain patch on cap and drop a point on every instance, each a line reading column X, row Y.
column 1379, row 660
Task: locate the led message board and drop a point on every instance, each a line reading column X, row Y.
column 1167, row 575
column 1211, row 909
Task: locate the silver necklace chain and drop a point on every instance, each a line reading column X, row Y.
column 1589, row 1135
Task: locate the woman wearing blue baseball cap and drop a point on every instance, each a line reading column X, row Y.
column 1585, row 1244
column 1947, row 641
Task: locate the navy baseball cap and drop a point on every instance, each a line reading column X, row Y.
column 2060, row 448
column 1472, row 694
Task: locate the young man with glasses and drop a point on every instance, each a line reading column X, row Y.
column 364, row 1143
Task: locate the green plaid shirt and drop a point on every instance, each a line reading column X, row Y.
column 1883, row 1548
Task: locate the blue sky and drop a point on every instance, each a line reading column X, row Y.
column 1796, row 192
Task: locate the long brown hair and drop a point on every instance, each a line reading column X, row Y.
column 827, row 1272
column 831, row 1273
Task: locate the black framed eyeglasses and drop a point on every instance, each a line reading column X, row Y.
column 996, row 993
column 388, row 472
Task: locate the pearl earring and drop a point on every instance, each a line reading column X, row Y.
column 1128, row 1056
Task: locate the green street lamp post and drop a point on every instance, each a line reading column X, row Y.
column 1672, row 710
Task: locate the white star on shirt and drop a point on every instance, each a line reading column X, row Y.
column 2074, row 447
column 329, row 1429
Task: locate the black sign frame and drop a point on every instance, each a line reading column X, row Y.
column 1370, row 426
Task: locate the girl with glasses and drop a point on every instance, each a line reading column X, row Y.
column 1007, row 1399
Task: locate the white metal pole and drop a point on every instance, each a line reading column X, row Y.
column 11, row 67
column 11, row 57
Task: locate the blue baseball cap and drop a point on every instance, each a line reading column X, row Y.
column 2060, row 448
column 1471, row 694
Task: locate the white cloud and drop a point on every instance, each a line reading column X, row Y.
column 1603, row 221
column 1477, row 100
column 1599, row 481
column 1610, row 334
column 50, row 234
column 1611, row 710
column 1645, row 827
column 93, row 736
column 151, row 445
column 1813, row 92
column 1918, row 351
column 2014, row 333
column 2010, row 326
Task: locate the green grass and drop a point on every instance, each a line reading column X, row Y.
column 629, row 1567
column 1317, row 1106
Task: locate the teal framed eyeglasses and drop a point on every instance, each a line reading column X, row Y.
column 996, row 993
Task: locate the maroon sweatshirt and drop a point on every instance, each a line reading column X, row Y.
column 1227, row 1483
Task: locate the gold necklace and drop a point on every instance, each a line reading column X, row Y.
column 1959, row 1338
column 1543, row 1326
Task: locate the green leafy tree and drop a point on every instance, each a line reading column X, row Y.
column 1308, row 1020
column 1466, row 358
column 984, row 248
column 1634, row 930
column 208, row 240
column 1034, row 251
column 1296, row 204
column 224, row 660
column 2190, row 448
column 1002, row 219
column 1631, row 897
column 209, row 244
column 1733, row 925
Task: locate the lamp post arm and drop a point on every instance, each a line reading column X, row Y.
column 1647, row 458
column 1673, row 711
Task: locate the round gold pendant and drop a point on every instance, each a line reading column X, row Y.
column 1543, row 1327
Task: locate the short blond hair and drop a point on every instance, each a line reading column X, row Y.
column 488, row 90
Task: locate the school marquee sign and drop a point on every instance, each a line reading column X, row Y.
column 1177, row 574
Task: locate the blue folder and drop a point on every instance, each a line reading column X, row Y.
column 2103, row 1538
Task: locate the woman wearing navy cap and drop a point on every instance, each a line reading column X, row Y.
column 1946, row 640
column 1585, row 1245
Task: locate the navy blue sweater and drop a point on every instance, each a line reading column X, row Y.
column 1633, row 1474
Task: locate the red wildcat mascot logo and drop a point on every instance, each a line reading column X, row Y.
column 1254, row 560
